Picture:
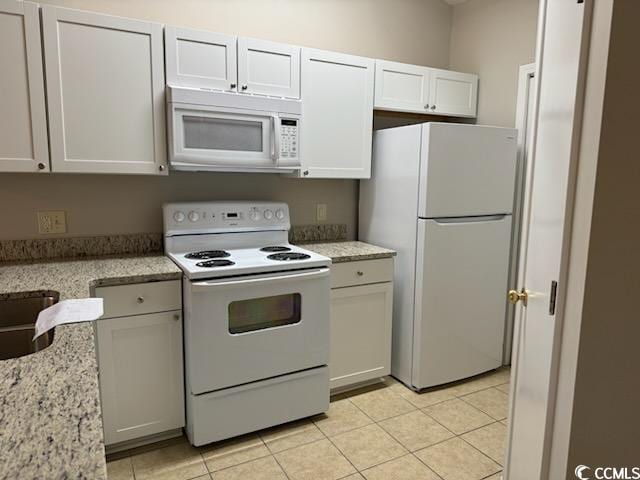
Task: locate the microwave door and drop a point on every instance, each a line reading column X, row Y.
column 226, row 139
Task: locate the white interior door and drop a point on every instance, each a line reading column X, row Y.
column 461, row 278
column 23, row 123
column 268, row 68
column 200, row 59
column 560, row 50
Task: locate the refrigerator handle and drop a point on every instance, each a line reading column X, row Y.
column 478, row 219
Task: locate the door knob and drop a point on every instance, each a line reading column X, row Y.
column 521, row 296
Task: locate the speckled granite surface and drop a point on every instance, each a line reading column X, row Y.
column 348, row 251
column 329, row 232
column 50, row 425
column 75, row 247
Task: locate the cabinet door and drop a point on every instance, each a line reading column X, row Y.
column 105, row 92
column 201, row 59
column 141, row 381
column 453, row 93
column 360, row 333
column 267, row 68
column 337, row 106
column 23, row 127
column 402, row 87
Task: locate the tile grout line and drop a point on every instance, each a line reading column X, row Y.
column 341, row 452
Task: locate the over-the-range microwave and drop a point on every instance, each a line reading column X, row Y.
column 221, row 131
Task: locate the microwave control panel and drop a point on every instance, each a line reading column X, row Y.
column 289, row 138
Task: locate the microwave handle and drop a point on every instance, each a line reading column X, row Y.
column 322, row 272
column 275, row 143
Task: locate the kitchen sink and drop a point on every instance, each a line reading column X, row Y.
column 17, row 324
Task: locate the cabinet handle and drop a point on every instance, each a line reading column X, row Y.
column 41, row 166
column 360, row 273
column 161, row 168
column 176, row 317
column 433, row 107
column 244, row 87
column 140, row 299
column 305, row 173
column 233, row 85
column 426, row 107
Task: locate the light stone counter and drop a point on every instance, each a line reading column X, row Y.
column 349, row 251
column 50, row 422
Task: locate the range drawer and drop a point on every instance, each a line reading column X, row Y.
column 140, row 298
column 361, row 272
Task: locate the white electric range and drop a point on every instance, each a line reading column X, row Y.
column 256, row 318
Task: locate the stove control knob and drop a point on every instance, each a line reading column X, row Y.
column 178, row 216
column 279, row 214
column 268, row 214
column 194, row 216
column 255, row 215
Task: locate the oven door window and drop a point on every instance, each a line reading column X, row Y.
column 266, row 312
column 226, row 134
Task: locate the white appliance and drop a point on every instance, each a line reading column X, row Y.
column 441, row 195
column 223, row 131
column 256, row 318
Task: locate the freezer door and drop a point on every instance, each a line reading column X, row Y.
column 466, row 170
column 461, row 283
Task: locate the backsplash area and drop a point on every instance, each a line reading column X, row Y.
column 133, row 244
column 110, row 205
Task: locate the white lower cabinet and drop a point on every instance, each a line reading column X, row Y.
column 361, row 317
column 140, row 363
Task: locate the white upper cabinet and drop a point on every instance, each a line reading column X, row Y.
column 200, row 59
column 402, row 87
column 337, row 115
column 268, row 68
column 412, row 88
column 23, row 123
column 453, row 93
column 105, row 93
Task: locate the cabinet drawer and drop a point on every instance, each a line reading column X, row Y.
column 361, row 272
column 139, row 298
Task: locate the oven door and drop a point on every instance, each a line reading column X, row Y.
column 202, row 137
column 244, row 329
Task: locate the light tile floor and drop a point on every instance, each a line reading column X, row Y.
column 382, row 432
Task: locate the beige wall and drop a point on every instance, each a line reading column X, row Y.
column 413, row 31
column 493, row 38
column 105, row 204
column 605, row 428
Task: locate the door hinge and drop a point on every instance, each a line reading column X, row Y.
column 552, row 297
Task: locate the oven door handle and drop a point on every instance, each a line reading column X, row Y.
column 199, row 286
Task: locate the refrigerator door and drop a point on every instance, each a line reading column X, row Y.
column 466, row 170
column 462, row 267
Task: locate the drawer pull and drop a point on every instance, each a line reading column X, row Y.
column 360, row 273
column 140, row 299
column 176, row 317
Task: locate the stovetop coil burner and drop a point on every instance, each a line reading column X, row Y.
column 275, row 248
column 288, row 256
column 215, row 263
column 208, row 254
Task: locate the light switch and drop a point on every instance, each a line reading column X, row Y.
column 321, row 212
column 52, row 222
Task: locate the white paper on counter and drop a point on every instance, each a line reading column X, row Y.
column 68, row 311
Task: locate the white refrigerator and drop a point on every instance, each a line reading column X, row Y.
column 442, row 196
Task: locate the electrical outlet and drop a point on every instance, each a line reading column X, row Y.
column 52, row 222
column 321, row 212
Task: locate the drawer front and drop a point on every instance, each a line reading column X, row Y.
column 361, row 272
column 139, row 298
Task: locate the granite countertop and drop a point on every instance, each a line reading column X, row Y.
column 50, row 421
column 349, row 251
